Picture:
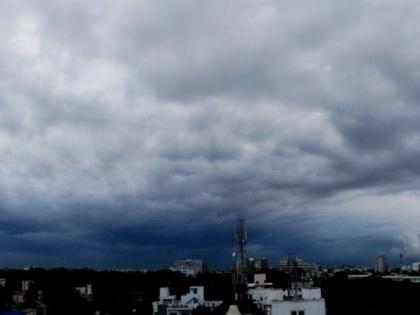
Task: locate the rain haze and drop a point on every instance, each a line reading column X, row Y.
column 134, row 133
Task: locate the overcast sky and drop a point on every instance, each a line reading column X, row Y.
column 133, row 133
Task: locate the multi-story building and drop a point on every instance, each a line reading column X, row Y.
column 169, row 305
column 189, row 267
column 416, row 266
column 26, row 284
column 285, row 264
column 381, row 264
column 305, row 269
column 85, row 291
column 258, row 263
column 296, row 301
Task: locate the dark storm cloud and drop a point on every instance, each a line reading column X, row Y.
column 135, row 133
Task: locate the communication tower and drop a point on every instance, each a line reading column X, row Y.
column 240, row 262
column 293, row 275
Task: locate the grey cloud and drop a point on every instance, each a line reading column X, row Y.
column 138, row 127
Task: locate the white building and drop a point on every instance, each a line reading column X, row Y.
column 303, row 301
column 282, row 302
column 260, row 281
column 381, row 264
column 258, row 263
column 85, row 291
column 416, row 266
column 26, row 284
column 298, row 307
column 189, row 267
column 169, row 305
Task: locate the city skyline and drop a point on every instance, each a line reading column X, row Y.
column 135, row 133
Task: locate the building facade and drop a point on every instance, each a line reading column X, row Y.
column 169, row 305
column 300, row 264
column 189, row 267
column 416, row 266
column 381, row 264
column 299, row 301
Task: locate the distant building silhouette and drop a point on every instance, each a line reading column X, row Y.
column 258, row 263
column 381, row 265
column 189, row 267
column 416, row 266
column 301, row 264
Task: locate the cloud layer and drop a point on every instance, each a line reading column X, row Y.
column 133, row 133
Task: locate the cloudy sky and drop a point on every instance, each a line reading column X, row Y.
column 133, row 133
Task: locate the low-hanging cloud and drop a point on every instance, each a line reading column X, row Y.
column 142, row 129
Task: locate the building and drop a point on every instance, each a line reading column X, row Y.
column 260, row 281
column 381, row 264
column 18, row 297
column 26, row 284
column 169, row 305
column 296, row 301
column 416, row 266
column 302, row 301
column 264, row 298
column 258, row 263
column 189, row 267
column 302, row 306
column 85, row 291
column 300, row 264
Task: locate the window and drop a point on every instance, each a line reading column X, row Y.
column 293, row 313
column 301, row 312
column 194, row 291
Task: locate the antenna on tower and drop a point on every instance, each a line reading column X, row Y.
column 240, row 267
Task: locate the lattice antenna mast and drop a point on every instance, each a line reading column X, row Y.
column 240, row 272
column 292, row 270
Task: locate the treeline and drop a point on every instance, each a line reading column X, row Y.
column 114, row 292
column 121, row 293
column 370, row 296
